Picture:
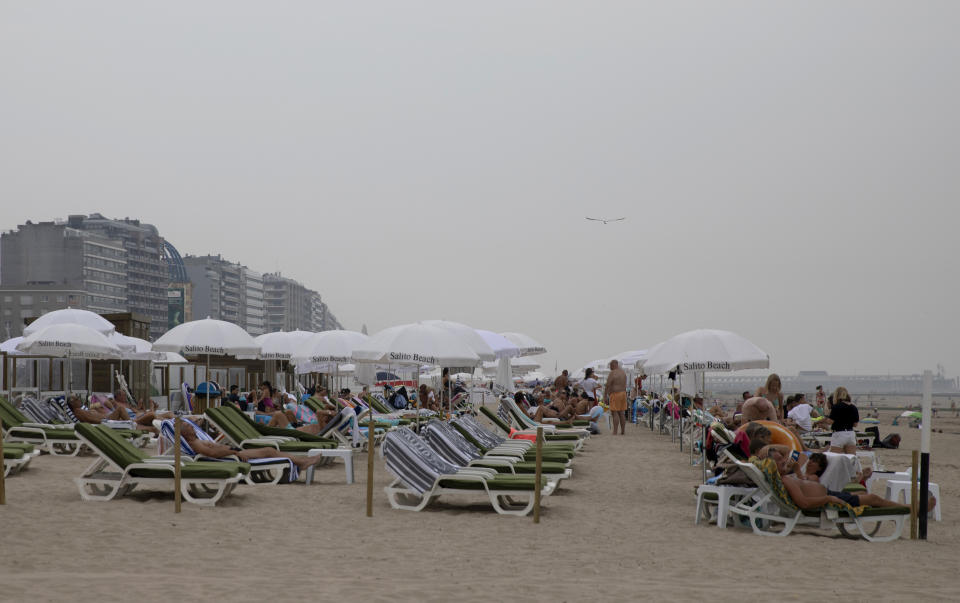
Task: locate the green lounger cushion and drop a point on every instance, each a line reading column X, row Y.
column 12, row 453
column 854, row 488
column 519, row 483
column 293, row 446
column 198, row 470
column 880, row 511
column 531, row 467
column 23, row 447
column 51, row 433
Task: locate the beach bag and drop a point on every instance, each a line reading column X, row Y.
column 732, row 475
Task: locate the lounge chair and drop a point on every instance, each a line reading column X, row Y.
column 243, row 433
column 523, row 421
column 772, row 506
column 267, row 471
column 41, row 412
column 202, row 483
column 488, row 442
column 548, row 434
column 454, row 448
column 55, row 439
column 16, row 457
column 422, row 476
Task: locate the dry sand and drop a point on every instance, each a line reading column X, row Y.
column 621, row 529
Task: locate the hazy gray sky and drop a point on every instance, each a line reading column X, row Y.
column 789, row 171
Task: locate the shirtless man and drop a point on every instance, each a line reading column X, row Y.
column 615, row 392
column 219, row 451
column 758, row 408
column 562, row 382
column 808, row 494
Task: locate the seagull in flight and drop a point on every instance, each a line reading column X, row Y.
column 606, row 220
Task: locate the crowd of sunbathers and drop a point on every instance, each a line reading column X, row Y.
column 800, row 472
column 561, row 403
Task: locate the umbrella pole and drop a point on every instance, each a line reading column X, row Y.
column 207, row 375
column 679, row 403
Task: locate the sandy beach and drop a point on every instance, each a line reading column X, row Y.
column 621, row 529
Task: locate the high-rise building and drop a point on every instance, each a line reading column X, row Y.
column 226, row 291
column 289, row 304
column 145, row 270
column 53, row 265
column 254, row 317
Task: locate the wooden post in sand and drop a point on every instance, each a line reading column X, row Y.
column 914, row 493
column 176, row 465
column 369, row 467
column 3, row 486
column 538, row 473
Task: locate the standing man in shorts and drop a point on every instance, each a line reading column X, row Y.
column 616, row 396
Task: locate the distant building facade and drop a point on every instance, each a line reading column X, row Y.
column 112, row 266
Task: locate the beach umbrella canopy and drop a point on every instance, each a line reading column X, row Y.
column 501, row 346
column 527, row 345
column 328, row 348
column 468, row 335
column 416, row 343
column 68, row 341
column 10, row 346
column 599, row 365
column 523, row 365
column 169, row 358
column 629, row 360
column 70, row 316
column 281, row 345
column 207, row 337
column 133, row 348
column 706, row 350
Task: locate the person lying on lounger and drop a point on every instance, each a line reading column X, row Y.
column 219, row 451
column 143, row 422
column 808, row 494
column 301, row 418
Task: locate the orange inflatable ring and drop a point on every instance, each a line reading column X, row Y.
column 780, row 435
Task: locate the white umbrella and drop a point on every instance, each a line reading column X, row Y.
column 133, row 348
column 64, row 340
column 468, row 335
column 629, row 361
column 68, row 341
column 70, row 316
column 281, row 345
column 10, row 346
column 207, row 337
column 416, row 343
column 169, row 358
column 330, row 347
column 502, row 347
column 528, row 345
column 705, row 350
column 523, row 365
